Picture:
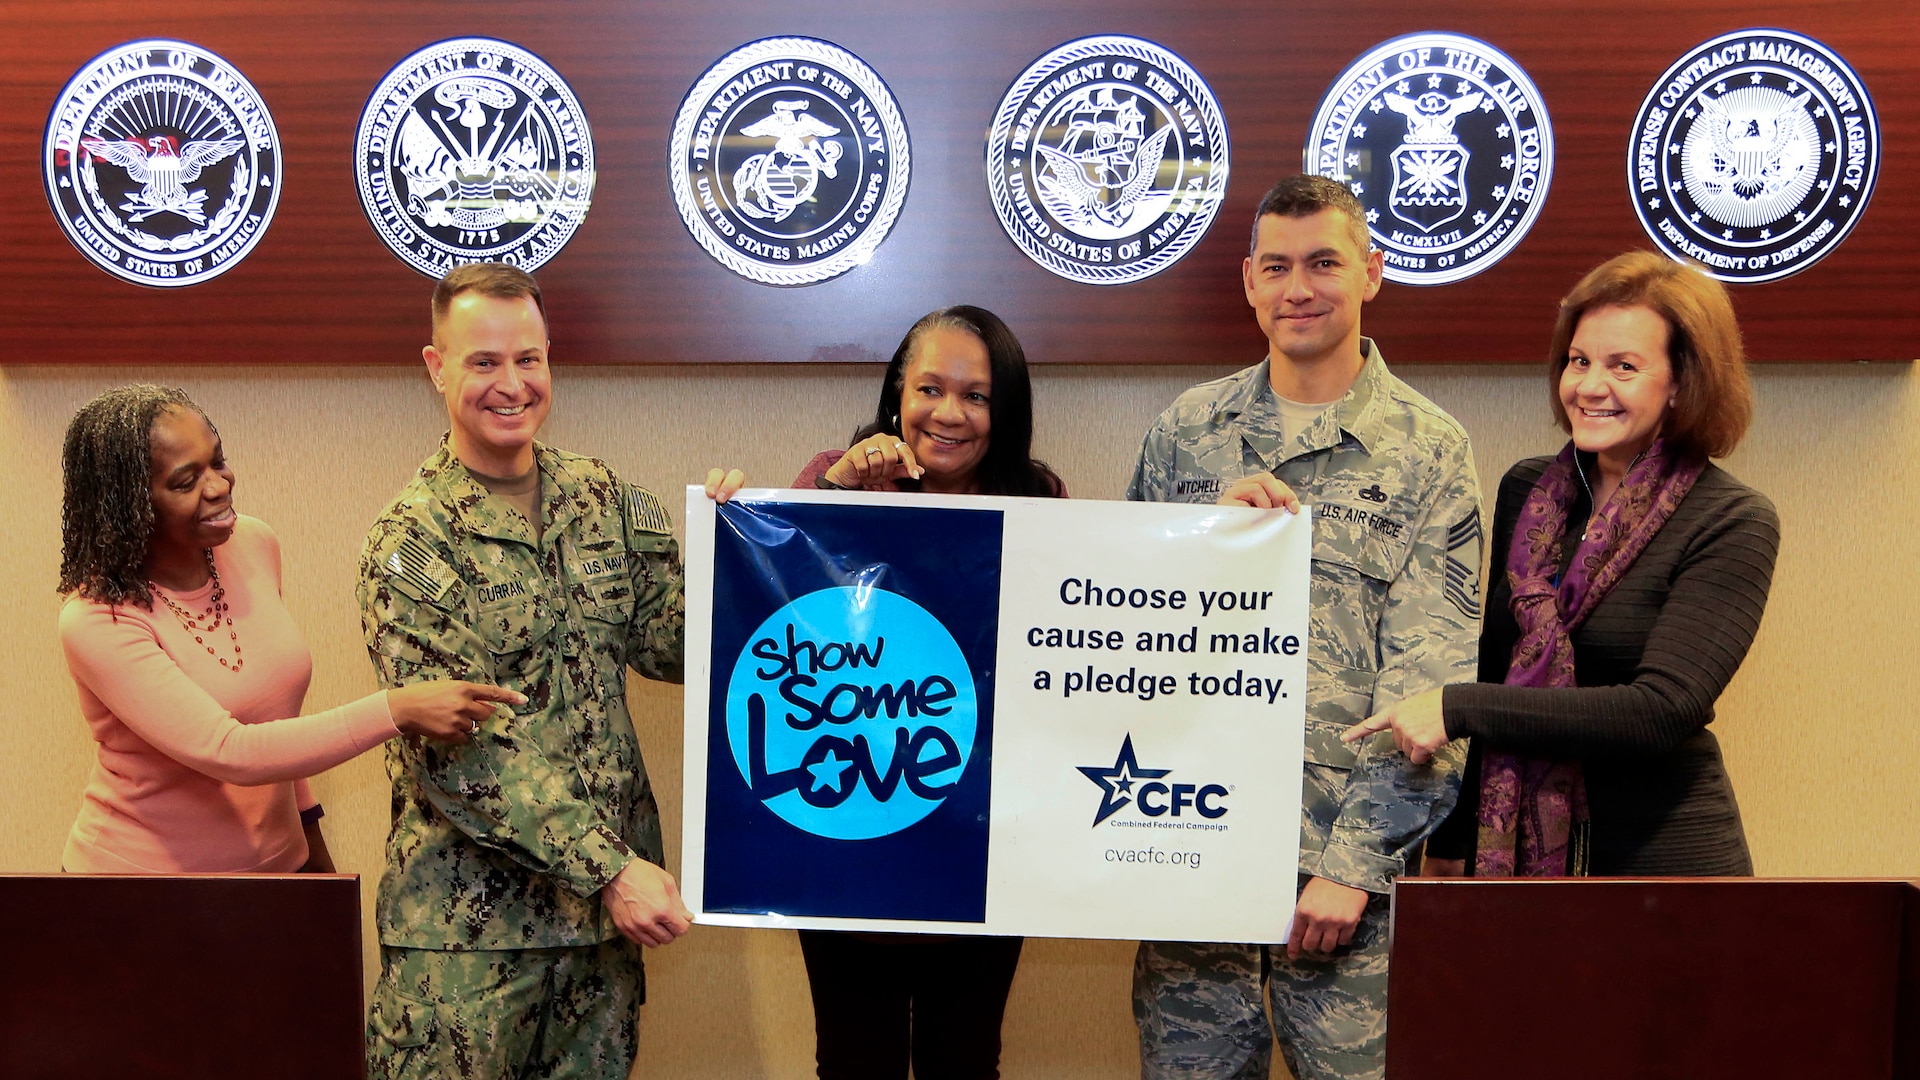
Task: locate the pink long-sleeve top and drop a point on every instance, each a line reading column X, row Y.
column 201, row 769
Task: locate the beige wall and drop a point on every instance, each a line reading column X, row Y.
column 1819, row 753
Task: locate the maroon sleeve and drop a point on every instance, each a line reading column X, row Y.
column 817, row 468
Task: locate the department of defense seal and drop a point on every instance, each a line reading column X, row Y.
column 162, row 163
column 1107, row 160
column 474, row 150
column 1446, row 142
column 789, row 161
column 1754, row 155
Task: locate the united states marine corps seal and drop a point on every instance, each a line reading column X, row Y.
column 474, row 150
column 162, row 163
column 1107, row 160
column 789, row 161
column 1754, row 155
column 1446, row 142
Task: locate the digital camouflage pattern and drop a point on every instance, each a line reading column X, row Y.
column 1394, row 611
column 1205, row 1018
column 504, row 842
column 506, row 1014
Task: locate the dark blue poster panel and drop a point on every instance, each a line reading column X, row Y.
column 850, row 736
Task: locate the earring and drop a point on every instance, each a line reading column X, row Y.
column 896, row 421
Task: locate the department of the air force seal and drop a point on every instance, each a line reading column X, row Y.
column 474, row 150
column 1754, row 155
column 789, row 161
column 162, row 163
column 1446, row 142
column 1107, row 160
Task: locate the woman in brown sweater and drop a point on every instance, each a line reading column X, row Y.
column 1629, row 577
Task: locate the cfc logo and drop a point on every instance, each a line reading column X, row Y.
column 852, row 713
column 1122, row 785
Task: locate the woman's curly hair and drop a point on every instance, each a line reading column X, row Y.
column 106, row 509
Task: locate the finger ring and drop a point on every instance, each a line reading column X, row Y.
column 899, row 446
column 872, row 450
column 476, row 728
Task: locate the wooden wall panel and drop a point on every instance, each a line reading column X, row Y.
column 633, row 287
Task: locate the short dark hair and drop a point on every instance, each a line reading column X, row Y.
column 498, row 280
column 1713, row 401
column 1008, row 468
column 106, row 507
column 1305, row 195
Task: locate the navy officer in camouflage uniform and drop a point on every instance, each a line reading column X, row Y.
column 1395, row 610
column 522, row 866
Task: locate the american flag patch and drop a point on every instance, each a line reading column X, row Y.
column 647, row 513
column 416, row 563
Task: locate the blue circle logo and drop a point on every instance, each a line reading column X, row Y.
column 852, row 713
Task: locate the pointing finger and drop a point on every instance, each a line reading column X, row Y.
column 1372, row 724
column 907, row 461
column 485, row 692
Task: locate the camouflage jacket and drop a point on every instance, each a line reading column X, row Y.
column 1395, row 587
column 503, row 843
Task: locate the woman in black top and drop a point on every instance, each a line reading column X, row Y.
column 1609, row 635
column 955, row 417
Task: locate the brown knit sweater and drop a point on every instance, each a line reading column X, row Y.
column 1650, row 662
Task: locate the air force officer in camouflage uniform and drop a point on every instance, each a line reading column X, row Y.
column 522, row 866
column 1395, row 611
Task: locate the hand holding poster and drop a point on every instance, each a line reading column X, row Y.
column 994, row 715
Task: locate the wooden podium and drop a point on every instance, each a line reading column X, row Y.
column 254, row 975
column 1701, row 977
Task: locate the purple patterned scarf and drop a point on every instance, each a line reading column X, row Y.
column 1533, row 811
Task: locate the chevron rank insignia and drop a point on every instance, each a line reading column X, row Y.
column 646, row 511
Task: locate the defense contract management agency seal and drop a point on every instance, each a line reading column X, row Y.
column 1446, row 142
column 789, row 161
column 1754, row 155
column 1107, row 160
column 474, row 150
column 162, row 163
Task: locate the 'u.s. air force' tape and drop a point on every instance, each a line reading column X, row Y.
column 646, row 511
column 417, row 565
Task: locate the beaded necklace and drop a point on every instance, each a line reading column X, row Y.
column 208, row 621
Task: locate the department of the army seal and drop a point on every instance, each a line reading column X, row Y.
column 162, row 163
column 474, row 150
column 789, row 161
column 1446, row 142
column 1754, row 155
column 1107, row 160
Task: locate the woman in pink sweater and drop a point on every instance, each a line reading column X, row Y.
column 183, row 651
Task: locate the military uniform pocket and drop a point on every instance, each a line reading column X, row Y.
column 1339, row 697
column 1356, row 558
column 401, row 1036
column 1366, row 539
column 517, row 625
column 609, row 601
